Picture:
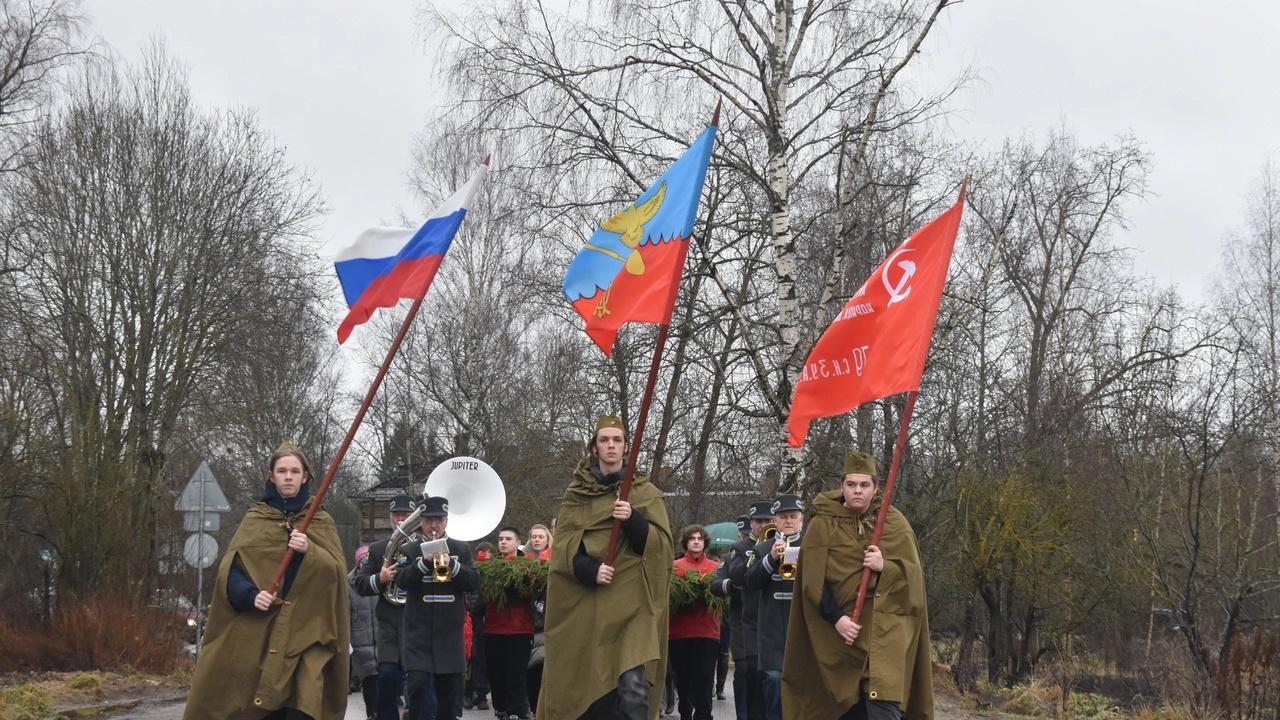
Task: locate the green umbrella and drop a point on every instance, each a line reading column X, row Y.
column 722, row 535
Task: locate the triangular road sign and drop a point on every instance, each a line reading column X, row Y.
column 202, row 490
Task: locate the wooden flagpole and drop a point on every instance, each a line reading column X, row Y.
column 886, row 498
column 351, row 431
column 624, row 491
column 899, row 446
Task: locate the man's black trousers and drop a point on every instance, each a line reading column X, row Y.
column 508, row 657
column 693, row 661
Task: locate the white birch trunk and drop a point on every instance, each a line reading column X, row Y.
column 784, row 246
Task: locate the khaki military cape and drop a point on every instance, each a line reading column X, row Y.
column 295, row 654
column 821, row 675
column 594, row 634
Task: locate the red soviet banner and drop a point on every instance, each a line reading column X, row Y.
column 877, row 345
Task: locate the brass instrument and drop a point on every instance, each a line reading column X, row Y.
column 786, row 570
column 441, row 569
column 477, row 501
column 437, row 549
column 403, row 533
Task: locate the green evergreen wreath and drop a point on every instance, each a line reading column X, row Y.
column 518, row 579
column 691, row 589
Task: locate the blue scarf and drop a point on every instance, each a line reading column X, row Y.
column 288, row 506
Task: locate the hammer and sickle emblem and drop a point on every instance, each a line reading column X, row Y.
column 900, row 290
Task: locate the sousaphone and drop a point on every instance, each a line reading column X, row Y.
column 476, row 498
column 404, row 533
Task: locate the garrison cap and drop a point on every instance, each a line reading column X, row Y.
column 857, row 463
column 609, row 421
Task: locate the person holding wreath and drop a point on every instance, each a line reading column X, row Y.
column 695, row 631
column 508, row 634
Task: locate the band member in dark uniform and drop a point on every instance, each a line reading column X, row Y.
column 431, row 643
column 765, row 573
column 748, row 687
column 375, row 576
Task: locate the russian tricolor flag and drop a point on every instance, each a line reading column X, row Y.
column 387, row 264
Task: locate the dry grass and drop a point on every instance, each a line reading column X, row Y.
column 86, row 682
column 1171, row 713
column 24, row 702
column 1042, row 698
column 95, row 634
column 42, row 695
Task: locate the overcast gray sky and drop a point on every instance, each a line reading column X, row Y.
column 347, row 85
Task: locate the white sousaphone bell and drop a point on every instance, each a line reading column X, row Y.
column 475, row 495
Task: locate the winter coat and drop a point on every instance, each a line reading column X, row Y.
column 364, row 657
column 387, row 613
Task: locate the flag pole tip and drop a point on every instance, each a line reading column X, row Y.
column 715, row 116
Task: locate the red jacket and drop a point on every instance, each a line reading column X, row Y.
column 516, row 618
column 696, row 622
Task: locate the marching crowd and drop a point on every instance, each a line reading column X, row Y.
column 424, row 641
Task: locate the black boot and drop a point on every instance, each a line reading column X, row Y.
column 633, row 694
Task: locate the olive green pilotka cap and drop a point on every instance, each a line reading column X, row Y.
column 609, row 421
column 857, row 463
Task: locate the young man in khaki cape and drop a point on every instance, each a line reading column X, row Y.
column 281, row 656
column 833, row 668
column 606, row 625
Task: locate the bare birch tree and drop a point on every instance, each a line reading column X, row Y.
column 803, row 84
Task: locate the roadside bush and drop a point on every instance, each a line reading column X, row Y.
column 98, row 633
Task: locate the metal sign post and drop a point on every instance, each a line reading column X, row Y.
column 202, row 494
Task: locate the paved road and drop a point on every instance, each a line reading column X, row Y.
column 355, row 710
column 722, row 709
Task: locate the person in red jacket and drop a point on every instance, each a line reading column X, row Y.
column 508, row 637
column 695, row 634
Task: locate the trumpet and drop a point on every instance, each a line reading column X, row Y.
column 787, row 568
column 440, row 568
column 479, row 500
column 441, row 564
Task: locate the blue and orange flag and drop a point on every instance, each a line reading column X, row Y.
column 630, row 268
